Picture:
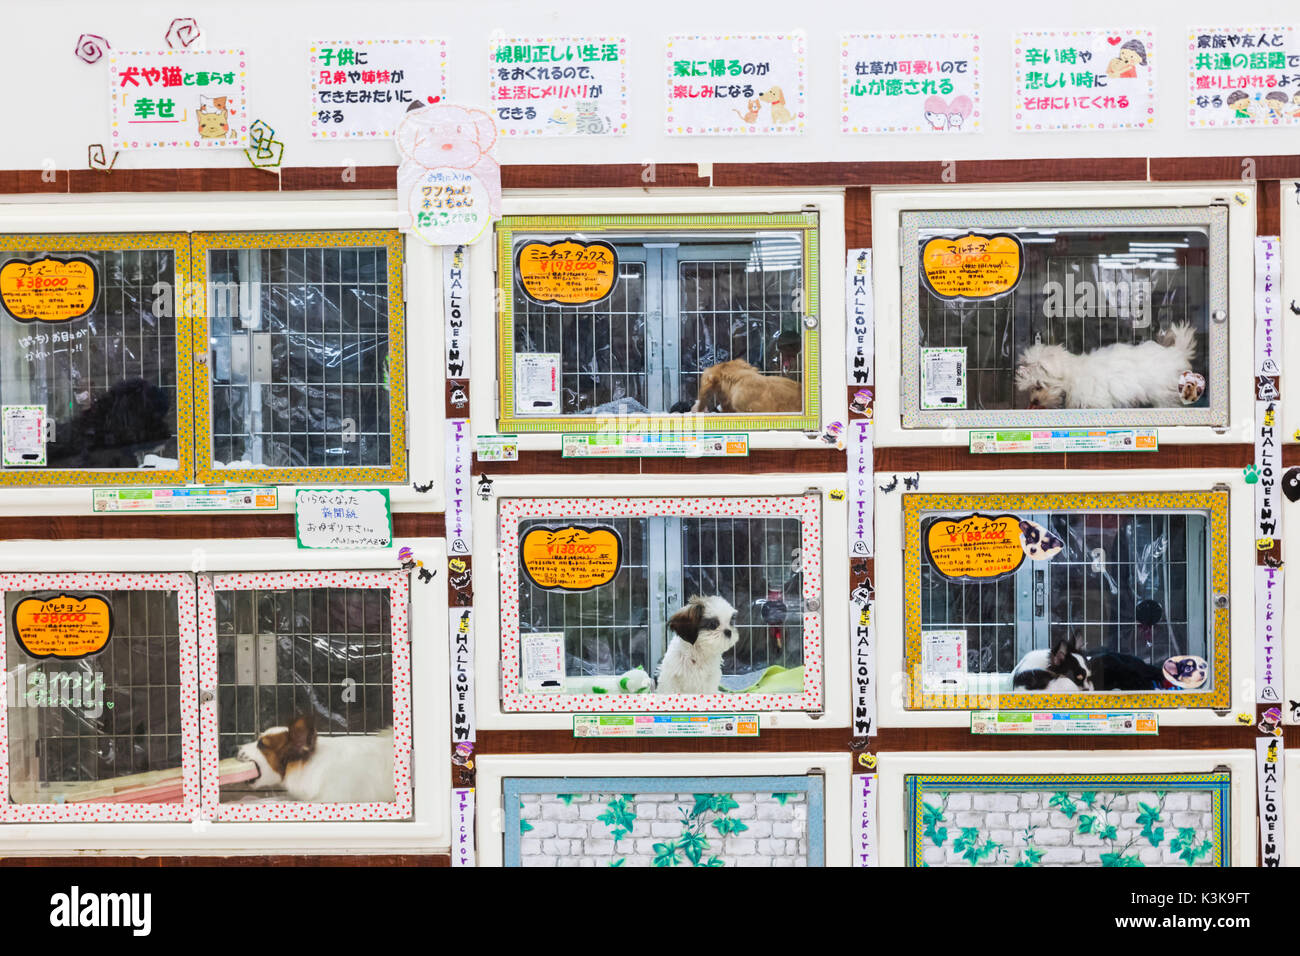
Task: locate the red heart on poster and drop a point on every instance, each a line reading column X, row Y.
column 433, row 99
column 1113, row 41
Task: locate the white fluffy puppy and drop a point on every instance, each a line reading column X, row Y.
column 693, row 662
column 1115, row 376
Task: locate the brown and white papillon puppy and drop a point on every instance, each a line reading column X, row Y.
column 356, row 768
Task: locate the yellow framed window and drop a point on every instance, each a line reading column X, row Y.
column 303, row 338
column 94, row 359
column 646, row 316
column 1085, row 600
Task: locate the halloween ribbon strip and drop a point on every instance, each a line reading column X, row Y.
column 864, row 820
column 1266, row 471
column 1272, row 831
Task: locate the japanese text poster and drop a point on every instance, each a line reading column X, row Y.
column 361, row 88
column 736, row 85
column 1243, row 77
column 910, row 83
column 1085, row 80
column 561, row 86
column 178, row 98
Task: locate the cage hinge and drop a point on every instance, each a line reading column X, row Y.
column 1221, row 768
column 1219, row 486
column 900, row 248
column 403, row 283
column 816, row 714
column 1220, row 429
column 412, row 754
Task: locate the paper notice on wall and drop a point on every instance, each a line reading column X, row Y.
column 1272, row 825
column 559, row 86
column 860, row 327
column 343, row 518
column 455, row 311
column 459, row 448
column 462, row 827
column 24, row 435
column 537, row 383
column 174, row 99
column 864, row 669
column 943, row 661
column 861, row 490
column 460, row 625
column 448, row 181
column 1268, row 303
column 910, row 83
column 1084, row 80
column 1243, row 76
column 1268, row 634
column 736, row 85
column 361, row 88
column 864, row 820
column 542, row 656
column 943, row 377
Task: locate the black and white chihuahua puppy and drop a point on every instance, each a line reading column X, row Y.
column 1058, row 670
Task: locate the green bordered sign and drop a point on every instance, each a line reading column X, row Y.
column 1024, row 440
column 1133, row 723
column 665, row 725
column 216, row 498
column 650, row 445
column 496, row 448
column 343, row 519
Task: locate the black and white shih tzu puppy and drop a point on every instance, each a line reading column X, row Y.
column 705, row 630
column 1149, row 374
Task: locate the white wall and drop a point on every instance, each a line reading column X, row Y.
column 55, row 105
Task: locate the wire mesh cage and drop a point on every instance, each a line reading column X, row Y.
column 102, row 725
column 683, row 302
column 284, row 654
column 1128, row 583
column 300, row 341
column 752, row 562
column 107, row 379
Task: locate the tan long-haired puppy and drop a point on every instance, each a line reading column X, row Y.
column 737, row 386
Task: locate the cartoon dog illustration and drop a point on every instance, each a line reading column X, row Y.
column 213, row 117
column 775, row 98
column 447, row 136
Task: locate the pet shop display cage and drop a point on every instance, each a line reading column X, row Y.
column 105, row 379
column 691, row 291
column 754, row 563
column 79, row 728
column 1082, row 279
column 306, row 361
column 1138, row 575
column 603, row 635
column 286, row 652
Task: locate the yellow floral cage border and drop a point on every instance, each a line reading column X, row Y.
column 1217, row 782
column 201, row 243
column 506, row 229
column 179, row 244
column 1215, row 503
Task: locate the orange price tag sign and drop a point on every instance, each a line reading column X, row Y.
column 568, row 272
column 975, row 547
column 67, row 625
column 571, row 559
column 48, row 289
column 973, row 266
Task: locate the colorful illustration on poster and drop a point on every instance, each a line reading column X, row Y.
column 910, row 83
column 736, row 85
column 560, row 86
column 1243, row 77
column 361, row 88
column 1084, row 80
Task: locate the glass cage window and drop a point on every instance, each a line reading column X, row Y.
column 753, row 563
column 106, row 378
column 1061, row 314
column 104, row 727
column 300, row 665
column 300, row 343
column 684, row 318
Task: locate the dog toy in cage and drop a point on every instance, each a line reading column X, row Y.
column 267, row 152
column 97, row 158
column 91, row 47
column 183, row 30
